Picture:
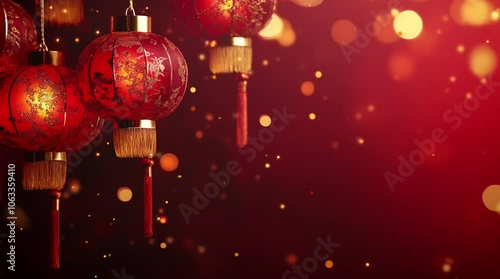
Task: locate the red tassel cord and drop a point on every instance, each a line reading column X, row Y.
column 242, row 117
column 148, row 197
column 55, row 230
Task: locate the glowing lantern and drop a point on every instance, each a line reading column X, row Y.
column 42, row 113
column 133, row 77
column 18, row 35
column 228, row 25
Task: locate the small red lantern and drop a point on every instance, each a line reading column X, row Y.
column 17, row 35
column 133, row 77
column 42, row 113
column 228, row 24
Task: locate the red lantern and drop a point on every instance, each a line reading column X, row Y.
column 17, row 35
column 229, row 24
column 42, row 112
column 133, row 77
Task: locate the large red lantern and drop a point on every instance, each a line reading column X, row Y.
column 17, row 35
column 133, row 77
column 42, row 112
column 228, row 26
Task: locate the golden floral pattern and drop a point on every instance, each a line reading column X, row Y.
column 132, row 76
column 212, row 19
column 41, row 109
column 20, row 36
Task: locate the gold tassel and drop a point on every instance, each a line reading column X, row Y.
column 64, row 12
column 233, row 55
column 135, row 139
column 44, row 171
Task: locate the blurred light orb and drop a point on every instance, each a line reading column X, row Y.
column 386, row 33
column 491, row 198
column 483, row 60
column 446, row 267
column 291, row 259
column 74, row 185
column 401, row 66
column 307, row 88
column 273, row 29
column 343, row 32
column 124, row 194
column 312, row 116
column 329, row 264
column 265, row 120
column 198, row 134
column 308, row 3
column 169, row 162
column 163, row 219
column 288, row 36
column 472, row 12
column 408, row 24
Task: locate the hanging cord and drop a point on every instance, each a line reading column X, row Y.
column 130, row 7
column 43, row 46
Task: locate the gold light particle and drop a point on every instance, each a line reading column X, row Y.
column 124, row 194
column 483, row 60
column 460, row 48
column 491, row 198
column 394, row 12
column 98, row 154
column 192, row 108
column 265, row 62
column 58, row 40
column 318, row 74
column 468, row 95
column 329, row 264
column 343, row 32
column 446, row 267
column 312, row 116
column 367, row 264
column 192, row 89
column 495, row 15
column 453, row 79
column 97, row 32
column 360, row 140
column 236, row 254
column 265, row 120
column 163, row 245
column 77, row 40
column 267, row 165
column 371, row 108
column 408, row 24
column 278, row 157
column 282, row 206
column 202, row 57
column 209, row 117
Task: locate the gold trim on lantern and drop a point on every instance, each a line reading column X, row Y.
column 45, row 156
column 144, row 124
column 55, row 58
column 128, row 23
column 6, row 26
column 230, row 41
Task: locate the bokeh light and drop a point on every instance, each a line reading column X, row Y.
column 74, row 186
column 472, row 12
column 307, row 88
column 343, row 32
column 408, row 24
column 385, row 32
column 328, row 264
column 273, row 29
column 169, row 162
column 265, row 120
column 401, row 66
column 491, row 198
column 124, row 194
column 291, row 259
column 288, row 36
column 483, row 60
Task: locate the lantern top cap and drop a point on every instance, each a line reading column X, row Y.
column 55, row 58
column 130, row 23
column 230, row 41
